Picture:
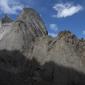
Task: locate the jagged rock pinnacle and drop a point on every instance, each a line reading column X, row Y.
column 6, row 19
column 68, row 37
column 20, row 34
column 33, row 22
column 66, row 34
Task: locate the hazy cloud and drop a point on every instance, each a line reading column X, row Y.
column 10, row 6
column 53, row 27
column 52, row 34
column 83, row 32
column 65, row 10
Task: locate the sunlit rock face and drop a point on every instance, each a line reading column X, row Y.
column 10, row 38
column 33, row 22
column 21, row 33
column 63, row 50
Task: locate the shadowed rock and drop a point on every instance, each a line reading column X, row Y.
column 16, row 69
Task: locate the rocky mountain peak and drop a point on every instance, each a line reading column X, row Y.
column 6, row 19
column 66, row 34
column 33, row 22
column 20, row 34
column 68, row 37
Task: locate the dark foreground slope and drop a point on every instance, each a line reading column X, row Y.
column 15, row 69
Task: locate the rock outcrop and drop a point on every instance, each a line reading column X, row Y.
column 6, row 19
column 20, row 34
column 33, row 21
column 63, row 50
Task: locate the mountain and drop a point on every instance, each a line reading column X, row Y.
column 33, row 21
column 28, row 35
column 6, row 19
column 66, row 50
column 21, row 33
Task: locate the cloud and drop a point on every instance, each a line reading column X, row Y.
column 53, row 30
column 83, row 32
column 10, row 6
column 53, row 27
column 65, row 10
column 52, row 34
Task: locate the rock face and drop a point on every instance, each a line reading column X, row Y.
column 63, row 50
column 20, row 34
column 28, row 34
column 6, row 19
column 33, row 21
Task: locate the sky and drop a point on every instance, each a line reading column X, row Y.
column 58, row 15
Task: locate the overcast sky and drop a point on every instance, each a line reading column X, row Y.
column 58, row 15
